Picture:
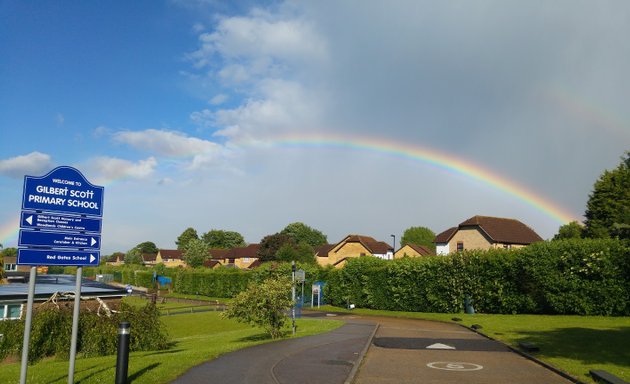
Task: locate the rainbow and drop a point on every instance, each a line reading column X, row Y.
column 435, row 158
column 446, row 161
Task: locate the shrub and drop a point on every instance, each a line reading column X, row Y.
column 263, row 305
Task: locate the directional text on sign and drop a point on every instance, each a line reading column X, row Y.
column 58, row 240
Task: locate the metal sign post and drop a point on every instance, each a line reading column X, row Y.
column 59, row 225
column 27, row 324
column 293, row 295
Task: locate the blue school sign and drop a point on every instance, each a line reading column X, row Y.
column 60, row 210
column 64, row 190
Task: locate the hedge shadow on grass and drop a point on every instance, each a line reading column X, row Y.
column 589, row 346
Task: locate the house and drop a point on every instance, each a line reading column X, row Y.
column 353, row 246
column 117, row 258
column 170, row 258
column 413, row 250
column 240, row 257
column 149, row 259
column 485, row 232
column 14, row 296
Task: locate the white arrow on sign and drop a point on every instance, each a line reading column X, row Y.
column 93, row 242
column 92, row 258
column 29, row 220
column 439, row 346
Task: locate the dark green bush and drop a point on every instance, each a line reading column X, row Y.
column 51, row 332
column 589, row 277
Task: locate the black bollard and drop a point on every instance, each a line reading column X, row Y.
column 122, row 361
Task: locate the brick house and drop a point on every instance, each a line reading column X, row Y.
column 485, row 232
column 413, row 250
column 170, row 258
column 352, row 246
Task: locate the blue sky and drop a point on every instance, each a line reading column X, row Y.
column 176, row 107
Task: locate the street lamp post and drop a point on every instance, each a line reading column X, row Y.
column 393, row 245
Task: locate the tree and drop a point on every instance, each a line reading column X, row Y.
column 183, row 239
column 133, row 256
column 147, row 247
column 218, row 238
column 10, row 252
column 572, row 230
column 608, row 207
column 302, row 253
column 196, row 253
column 418, row 236
column 302, row 233
column 263, row 305
column 269, row 246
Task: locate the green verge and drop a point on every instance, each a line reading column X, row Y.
column 574, row 344
column 196, row 338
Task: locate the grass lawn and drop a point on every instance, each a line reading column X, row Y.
column 196, row 337
column 574, row 344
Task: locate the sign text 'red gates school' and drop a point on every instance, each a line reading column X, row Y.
column 63, row 191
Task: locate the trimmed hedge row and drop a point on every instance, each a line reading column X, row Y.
column 586, row 277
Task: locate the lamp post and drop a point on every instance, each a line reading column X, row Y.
column 393, row 245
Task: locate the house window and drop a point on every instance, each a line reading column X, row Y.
column 231, row 261
column 245, row 259
column 507, row 246
column 10, row 267
column 460, row 246
column 11, row 311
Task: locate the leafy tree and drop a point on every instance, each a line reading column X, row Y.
column 183, row 239
column 263, row 305
column 301, row 252
column 419, row 236
column 608, row 207
column 196, row 252
column 218, row 238
column 147, row 247
column 269, row 246
column 572, row 230
column 134, row 256
column 302, row 233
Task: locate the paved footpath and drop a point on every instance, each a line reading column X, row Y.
column 418, row 351
column 401, row 351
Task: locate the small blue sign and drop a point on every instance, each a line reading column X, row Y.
column 58, row 240
column 54, row 257
column 64, row 189
column 59, row 222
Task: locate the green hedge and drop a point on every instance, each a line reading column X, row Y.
column 586, row 277
column 98, row 335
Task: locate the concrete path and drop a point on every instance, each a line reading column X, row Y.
column 401, row 351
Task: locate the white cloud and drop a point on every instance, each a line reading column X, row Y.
column 218, row 99
column 34, row 164
column 167, row 143
column 114, row 168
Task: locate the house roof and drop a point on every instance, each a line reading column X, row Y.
column 322, row 250
column 211, row 263
column 218, row 253
column 372, row 245
column 445, row 236
column 421, row 249
column 241, row 252
column 171, row 253
column 257, row 263
column 503, row 230
column 498, row 229
column 149, row 257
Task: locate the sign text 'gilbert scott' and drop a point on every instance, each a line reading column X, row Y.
column 61, row 210
column 64, row 189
